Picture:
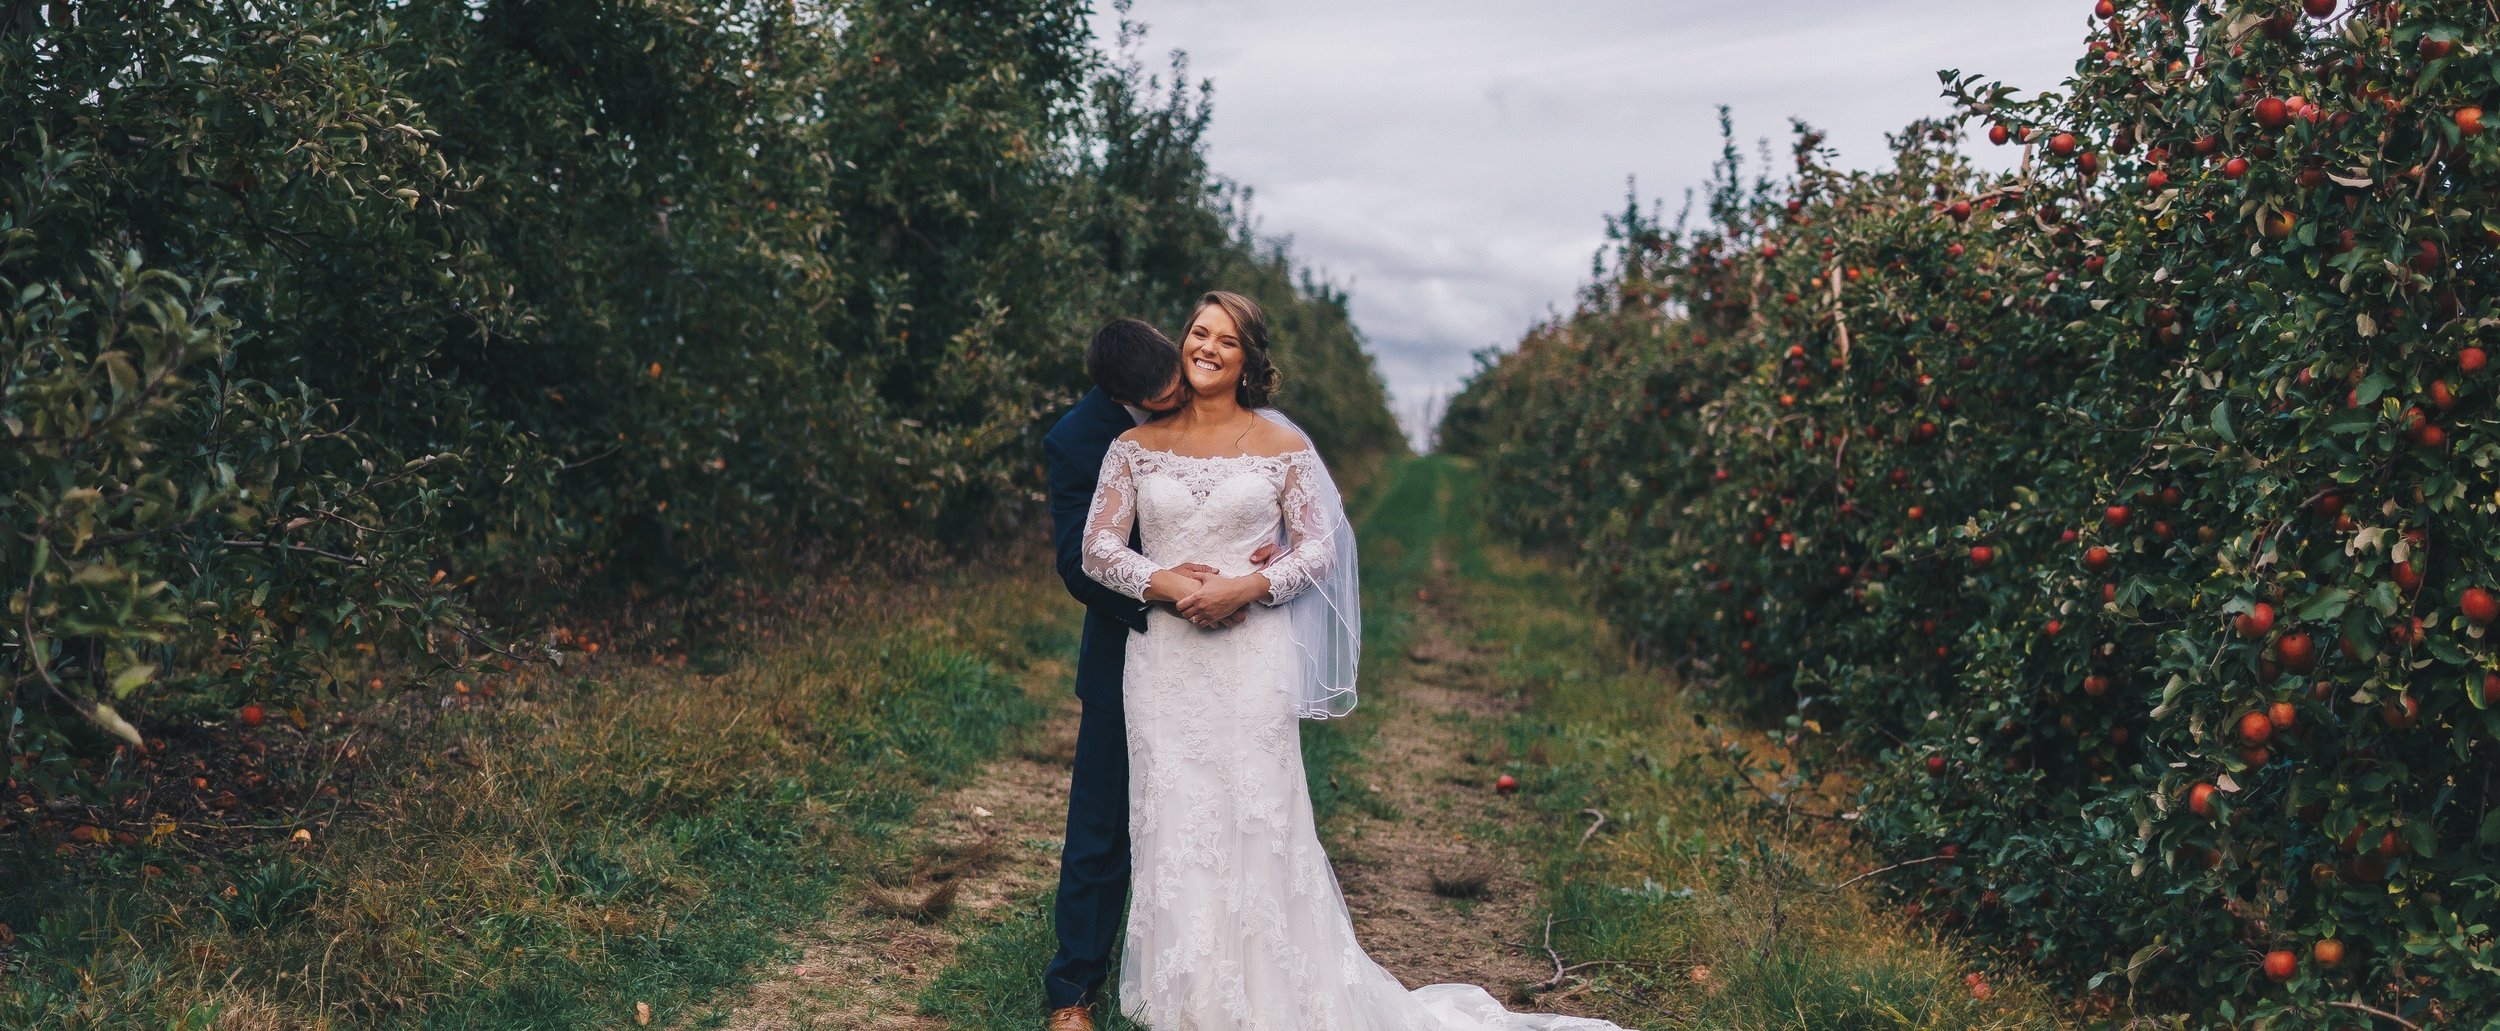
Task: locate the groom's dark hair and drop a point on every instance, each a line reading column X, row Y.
column 1132, row 361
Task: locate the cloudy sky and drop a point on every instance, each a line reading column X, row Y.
column 1451, row 161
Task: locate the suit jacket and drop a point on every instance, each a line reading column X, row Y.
column 1074, row 449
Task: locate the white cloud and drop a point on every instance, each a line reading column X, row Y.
column 1452, row 161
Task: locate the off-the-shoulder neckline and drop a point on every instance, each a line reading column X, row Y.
column 1131, row 442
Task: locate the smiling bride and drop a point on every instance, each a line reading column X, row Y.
column 1237, row 921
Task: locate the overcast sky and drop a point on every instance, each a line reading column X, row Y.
column 1452, row 161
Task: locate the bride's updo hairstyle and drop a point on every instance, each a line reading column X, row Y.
column 1259, row 378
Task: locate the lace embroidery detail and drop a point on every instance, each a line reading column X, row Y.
column 1286, row 482
column 1314, row 550
column 1237, row 923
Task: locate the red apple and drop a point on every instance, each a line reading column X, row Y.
column 2470, row 121
column 2479, row 606
column 2319, row 8
column 1981, row 555
column 2062, row 144
column 2401, row 712
column 2408, row 632
column 2096, row 685
column 2281, row 715
column 2235, row 168
column 1506, row 784
column 2300, row 654
column 1936, row 765
column 251, row 714
column 2427, row 257
column 2281, row 964
column 2408, row 579
column 2272, row 113
column 2201, row 800
column 2256, row 729
column 2470, row 360
column 2116, row 514
column 2256, row 622
column 2328, row 951
column 2096, row 557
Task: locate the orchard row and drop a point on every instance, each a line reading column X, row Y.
column 339, row 327
column 2127, row 521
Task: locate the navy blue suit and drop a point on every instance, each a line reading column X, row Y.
column 1094, row 864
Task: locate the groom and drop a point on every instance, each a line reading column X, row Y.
column 1137, row 374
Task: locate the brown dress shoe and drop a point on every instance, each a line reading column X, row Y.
column 1071, row 1018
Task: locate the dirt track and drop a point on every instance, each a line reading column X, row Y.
column 994, row 843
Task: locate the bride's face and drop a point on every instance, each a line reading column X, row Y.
column 1211, row 352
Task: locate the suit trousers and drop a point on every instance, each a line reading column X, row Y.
column 1094, row 862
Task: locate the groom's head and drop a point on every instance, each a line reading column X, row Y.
column 1137, row 365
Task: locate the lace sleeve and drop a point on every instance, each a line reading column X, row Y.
column 1312, row 555
column 1108, row 558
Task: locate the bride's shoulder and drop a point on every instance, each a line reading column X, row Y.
column 1275, row 440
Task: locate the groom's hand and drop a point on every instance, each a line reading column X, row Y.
column 1180, row 581
column 1267, row 553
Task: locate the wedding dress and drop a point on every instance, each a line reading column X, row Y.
column 1236, row 922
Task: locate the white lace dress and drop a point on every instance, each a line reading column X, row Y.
column 1236, row 922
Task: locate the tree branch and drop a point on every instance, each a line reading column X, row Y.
column 233, row 542
column 2375, row 1012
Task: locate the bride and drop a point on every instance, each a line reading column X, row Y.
column 1236, row 921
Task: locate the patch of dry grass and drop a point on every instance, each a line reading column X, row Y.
column 631, row 834
column 1468, row 881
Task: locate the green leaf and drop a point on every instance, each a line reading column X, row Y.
column 131, row 678
column 2372, row 388
column 102, row 715
column 117, row 367
column 2324, row 605
column 2445, row 650
column 2222, row 421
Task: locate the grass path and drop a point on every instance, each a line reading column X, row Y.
column 977, row 964
column 1627, row 857
column 854, row 823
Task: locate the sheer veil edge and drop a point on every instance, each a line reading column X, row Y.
column 1327, row 620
